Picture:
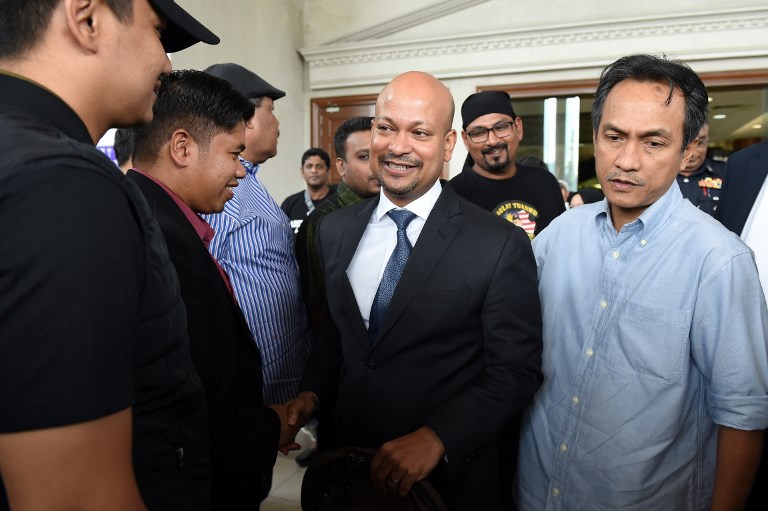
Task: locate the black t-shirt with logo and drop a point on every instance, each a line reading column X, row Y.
column 530, row 199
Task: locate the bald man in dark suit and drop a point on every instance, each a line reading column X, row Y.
column 430, row 377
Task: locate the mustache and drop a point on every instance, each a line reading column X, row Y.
column 632, row 177
column 400, row 159
column 500, row 145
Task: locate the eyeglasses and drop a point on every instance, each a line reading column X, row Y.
column 501, row 130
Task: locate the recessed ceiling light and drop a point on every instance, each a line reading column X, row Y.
column 719, row 116
column 757, row 126
column 710, row 99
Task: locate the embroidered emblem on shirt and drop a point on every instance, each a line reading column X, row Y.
column 519, row 213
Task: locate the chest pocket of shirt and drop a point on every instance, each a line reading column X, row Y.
column 649, row 342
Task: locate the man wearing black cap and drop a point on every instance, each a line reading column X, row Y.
column 100, row 407
column 526, row 196
column 254, row 244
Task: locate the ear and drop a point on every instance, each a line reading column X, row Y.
column 85, row 20
column 340, row 167
column 450, row 143
column 464, row 138
column 687, row 154
column 519, row 125
column 182, row 148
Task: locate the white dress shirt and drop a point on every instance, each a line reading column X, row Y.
column 379, row 241
column 754, row 236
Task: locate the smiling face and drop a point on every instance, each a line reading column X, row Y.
column 637, row 147
column 412, row 136
column 355, row 169
column 495, row 157
column 214, row 172
column 136, row 47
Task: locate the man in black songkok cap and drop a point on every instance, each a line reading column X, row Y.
column 525, row 195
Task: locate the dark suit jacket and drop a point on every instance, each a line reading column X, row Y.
column 746, row 171
column 459, row 349
column 244, row 433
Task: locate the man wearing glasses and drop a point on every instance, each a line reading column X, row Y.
column 526, row 196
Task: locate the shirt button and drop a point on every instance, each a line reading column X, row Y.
column 603, row 304
column 615, row 254
column 590, row 352
column 555, row 491
column 563, row 447
column 643, row 243
column 575, row 400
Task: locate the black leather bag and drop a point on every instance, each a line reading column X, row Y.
column 340, row 481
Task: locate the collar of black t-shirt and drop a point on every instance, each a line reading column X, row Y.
column 22, row 95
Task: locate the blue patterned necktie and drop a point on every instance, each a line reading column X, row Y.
column 392, row 272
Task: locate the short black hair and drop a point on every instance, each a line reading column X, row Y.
column 316, row 151
column 649, row 68
column 123, row 145
column 23, row 22
column 343, row 132
column 195, row 101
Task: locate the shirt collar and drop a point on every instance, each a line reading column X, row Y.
column 201, row 227
column 250, row 168
column 345, row 193
column 23, row 95
column 421, row 206
column 650, row 220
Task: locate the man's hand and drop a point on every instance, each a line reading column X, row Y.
column 293, row 415
column 288, row 432
column 406, row 460
column 301, row 408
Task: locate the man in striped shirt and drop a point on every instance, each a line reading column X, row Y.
column 254, row 244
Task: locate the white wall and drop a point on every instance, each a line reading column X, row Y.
column 317, row 48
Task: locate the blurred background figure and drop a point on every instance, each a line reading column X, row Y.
column 316, row 171
column 124, row 148
column 701, row 182
column 565, row 191
column 585, row 196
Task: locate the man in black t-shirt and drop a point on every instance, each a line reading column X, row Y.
column 100, row 406
column 524, row 195
column 527, row 196
column 316, row 171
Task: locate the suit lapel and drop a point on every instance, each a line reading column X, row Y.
column 349, row 240
column 434, row 240
column 160, row 202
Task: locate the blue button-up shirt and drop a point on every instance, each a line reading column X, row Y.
column 653, row 336
column 254, row 244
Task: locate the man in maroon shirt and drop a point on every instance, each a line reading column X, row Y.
column 186, row 164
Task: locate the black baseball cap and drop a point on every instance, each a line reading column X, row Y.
column 182, row 30
column 246, row 82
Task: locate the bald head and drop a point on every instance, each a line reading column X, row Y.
column 420, row 88
column 411, row 136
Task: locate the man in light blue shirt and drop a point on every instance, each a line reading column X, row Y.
column 254, row 244
column 655, row 359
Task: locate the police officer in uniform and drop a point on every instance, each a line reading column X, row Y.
column 702, row 180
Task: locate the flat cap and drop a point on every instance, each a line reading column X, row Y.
column 182, row 30
column 246, row 82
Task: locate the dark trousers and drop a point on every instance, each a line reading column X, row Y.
column 239, row 490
